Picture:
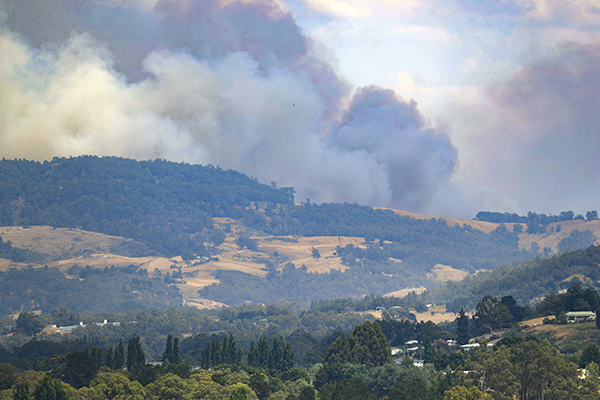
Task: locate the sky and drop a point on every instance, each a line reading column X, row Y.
column 444, row 107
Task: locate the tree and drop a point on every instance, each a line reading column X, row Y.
column 110, row 361
column 490, row 314
column 590, row 353
column 353, row 389
column 135, row 356
column 593, row 379
column 542, row 369
column 29, row 324
column 115, row 385
column 80, row 369
column 168, row 350
column 409, row 390
column 63, row 317
column 21, row 391
column 307, row 393
column 171, row 353
column 591, row 215
column 49, row 389
column 8, row 376
column 176, row 358
column 119, row 358
column 263, row 352
column 500, row 375
column 462, row 327
column 462, row 393
column 315, row 253
column 366, row 345
column 253, row 355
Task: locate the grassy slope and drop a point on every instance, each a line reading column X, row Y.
column 67, row 247
column 567, row 338
column 525, row 239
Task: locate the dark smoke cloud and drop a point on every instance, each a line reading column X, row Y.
column 394, row 134
column 234, row 83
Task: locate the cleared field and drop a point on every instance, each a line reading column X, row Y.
column 404, row 292
column 443, row 273
column 484, row 226
column 59, row 242
column 551, row 239
column 70, row 247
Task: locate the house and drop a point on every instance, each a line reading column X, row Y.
column 468, row 347
column 574, row 317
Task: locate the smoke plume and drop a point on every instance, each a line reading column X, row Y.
column 230, row 83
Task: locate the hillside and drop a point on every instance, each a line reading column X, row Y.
column 68, row 248
column 567, row 338
column 550, row 239
column 222, row 237
column 527, row 281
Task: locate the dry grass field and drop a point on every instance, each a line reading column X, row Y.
column 436, row 314
column 552, row 239
column 69, row 247
column 486, row 227
column 443, row 273
column 65, row 248
column 525, row 239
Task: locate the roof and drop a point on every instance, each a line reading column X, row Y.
column 580, row 314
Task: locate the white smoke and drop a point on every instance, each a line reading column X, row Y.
column 232, row 84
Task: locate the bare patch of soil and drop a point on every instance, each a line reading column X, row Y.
column 535, row 321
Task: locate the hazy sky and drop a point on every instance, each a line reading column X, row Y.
column 442, row 107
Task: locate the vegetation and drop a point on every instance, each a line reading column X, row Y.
column 279, row 350
column 524, row 281
column 165, row 206
column 355, row 365
column 115, row 289
column 536, row 223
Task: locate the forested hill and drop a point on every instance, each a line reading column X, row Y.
column 162, row 204
column 524, row 281
column 168, row 208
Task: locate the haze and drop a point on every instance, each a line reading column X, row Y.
column 441, row 107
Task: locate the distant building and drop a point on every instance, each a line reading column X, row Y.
column 574, row 317
column 470, row 346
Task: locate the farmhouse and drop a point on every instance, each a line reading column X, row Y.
column 574, row 317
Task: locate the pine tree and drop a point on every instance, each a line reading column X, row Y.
column 232, row 349
column 206, row 357
column 109, row 358
column 216, row 356
column 135, row 356
column 288, row 358
column 167, row 355
column 239, row 357
column 263, row 352
column 253, row 355
column 96, row 357
column 462, row 327
column 366, row 345
column 225, row 352
column 276, row 354
column 176, row 357
column 119, row 358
